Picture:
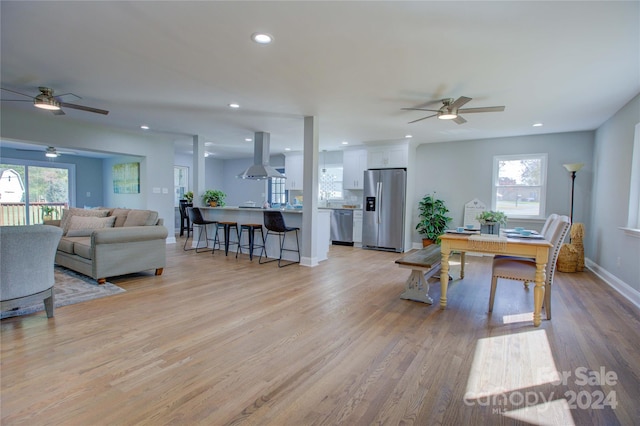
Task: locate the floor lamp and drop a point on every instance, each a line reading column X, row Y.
column 572, row 168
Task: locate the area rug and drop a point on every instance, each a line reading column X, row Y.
column 70, row 288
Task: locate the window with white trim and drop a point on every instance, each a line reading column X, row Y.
column 634, row 188
column 519, row 185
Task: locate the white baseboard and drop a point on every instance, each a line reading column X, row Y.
column 617, row 284
column 171, row 240
column 309, row 261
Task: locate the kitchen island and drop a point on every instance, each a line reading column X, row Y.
column 292, row 217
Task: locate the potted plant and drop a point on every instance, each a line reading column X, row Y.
column 214, row 197
column 188, row 196
column 490, row 221
column 433, row 219
column 47, row 212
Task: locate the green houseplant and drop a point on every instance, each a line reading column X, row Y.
column 490, row 221
column 188, row 196
column 47, row 212
column 214, row 197
column 433, row 219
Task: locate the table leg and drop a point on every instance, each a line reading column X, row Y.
column 538, row 293
column 444, row 275
column 462, row 260
column 417, row 288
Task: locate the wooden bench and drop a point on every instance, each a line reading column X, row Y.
column 423, row 263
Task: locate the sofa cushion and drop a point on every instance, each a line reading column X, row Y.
column 67, row 214
column 82, row 247
column 141, row 218
column 83, row 226
column 66, row 245
column 120, row 215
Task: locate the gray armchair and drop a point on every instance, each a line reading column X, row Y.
column 26, row 265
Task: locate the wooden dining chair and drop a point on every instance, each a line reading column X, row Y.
column 525, row 269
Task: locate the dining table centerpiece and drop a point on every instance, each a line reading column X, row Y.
column 490, row 221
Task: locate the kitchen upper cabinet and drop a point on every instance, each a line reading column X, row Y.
column 293, row 170
column 387, row 157
column 354, row 163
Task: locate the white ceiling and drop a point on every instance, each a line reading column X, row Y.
column 175, row 66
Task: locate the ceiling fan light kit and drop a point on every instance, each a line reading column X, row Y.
column 44, row 102
column 51, row 152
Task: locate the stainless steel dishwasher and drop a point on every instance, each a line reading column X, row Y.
column 342, row 227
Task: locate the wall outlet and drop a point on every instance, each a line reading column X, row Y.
column 618, row 262
column 88, row 194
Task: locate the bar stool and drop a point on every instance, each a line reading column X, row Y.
column 195, row 215
column 251, row 228
column 226, row 227
column 274, row 222
column 185, row 222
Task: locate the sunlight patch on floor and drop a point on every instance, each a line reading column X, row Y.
column 510, row 319
column 506, row 363
column 548, row 413
column 505, row 371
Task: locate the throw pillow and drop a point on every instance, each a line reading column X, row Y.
column 120, row 215
column 83, row 226
column 67, row 214
column 137, row 218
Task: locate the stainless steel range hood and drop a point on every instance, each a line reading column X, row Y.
column 261, row 168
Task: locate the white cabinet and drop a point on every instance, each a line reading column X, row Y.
column 387, row 157
column 357, row 227
column 293, row 170
column 354, row 163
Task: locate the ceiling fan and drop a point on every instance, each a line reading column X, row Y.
column 50, row 152
column 450, row 110
column 46, row 100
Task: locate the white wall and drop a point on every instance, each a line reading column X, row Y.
column 608, row 246
column 461, row 171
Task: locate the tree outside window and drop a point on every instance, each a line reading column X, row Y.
column 520, row 185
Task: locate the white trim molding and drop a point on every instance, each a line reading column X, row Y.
column 620, row 286
column 631, row 232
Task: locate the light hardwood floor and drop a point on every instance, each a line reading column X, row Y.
column 218, row 341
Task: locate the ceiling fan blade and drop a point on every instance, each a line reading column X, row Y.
column 58, row 112
column 17, row 93
column 459, row 120
column 482, row 109
column 459, row 102
column 419, row 109
column 84, row 108
column 423, row 118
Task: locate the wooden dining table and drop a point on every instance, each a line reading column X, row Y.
column 537, row 249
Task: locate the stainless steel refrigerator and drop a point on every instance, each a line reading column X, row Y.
column 383, row 209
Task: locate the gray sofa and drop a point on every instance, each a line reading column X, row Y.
column 104, row 243
column 25, row 278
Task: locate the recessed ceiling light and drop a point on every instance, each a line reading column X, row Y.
column 208, row 143
column 287, row 149
column 248, row 139
column 537, row 125
column 144, row 127
column 261, row 38
column 408, row 136
column 345, row 143
column 234, row 105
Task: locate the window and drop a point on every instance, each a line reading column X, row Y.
column 277, row 194
column 330, row 183
column 180, row 183
column 519, row 183
column 26, row 187
column 633, row 223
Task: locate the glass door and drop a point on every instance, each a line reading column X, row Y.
column 31, row 193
